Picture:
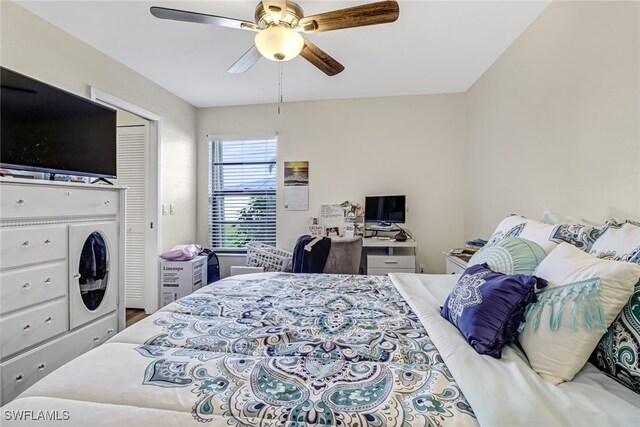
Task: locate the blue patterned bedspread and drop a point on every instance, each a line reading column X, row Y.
column 291, row 349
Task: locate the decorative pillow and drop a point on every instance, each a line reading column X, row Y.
column 618, row 351
column 487, row 307
column 584, row 296
column 619, row 241
column 550, row 217
column 512, row 255
column 546, row 235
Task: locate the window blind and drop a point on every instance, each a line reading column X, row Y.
column 242, row 193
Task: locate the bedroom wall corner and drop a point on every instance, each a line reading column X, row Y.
column 32, row 46
column 554, row 122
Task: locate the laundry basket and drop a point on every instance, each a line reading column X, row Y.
column 269, row 257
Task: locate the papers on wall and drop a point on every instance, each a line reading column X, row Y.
column 296, row 198
column 345, row 219
column 315, row 228
column 296, row 186
column 349, row 229
column 331, row 216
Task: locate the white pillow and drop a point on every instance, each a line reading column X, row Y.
column 551, row 217
column 547, row 236
column 583, row 297
column 619, row 241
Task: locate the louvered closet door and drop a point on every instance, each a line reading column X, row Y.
column 132, row 154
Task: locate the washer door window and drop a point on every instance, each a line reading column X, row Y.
column 93, row 267
column 93, row 270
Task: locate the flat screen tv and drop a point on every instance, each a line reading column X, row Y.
column 388, row 209
column 45, row 129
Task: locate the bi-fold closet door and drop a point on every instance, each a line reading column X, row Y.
column 93, row 271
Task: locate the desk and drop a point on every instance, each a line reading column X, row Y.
column 372, row 242
column 385, row 263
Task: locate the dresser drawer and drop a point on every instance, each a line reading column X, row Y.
column 392, row 261
column 32, row 285
column 20, row 373
column 29, row 327
column 31, row 245
column 19, row 201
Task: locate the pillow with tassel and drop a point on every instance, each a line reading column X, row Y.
column 583, row 297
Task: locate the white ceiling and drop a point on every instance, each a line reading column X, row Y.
column 434, row 47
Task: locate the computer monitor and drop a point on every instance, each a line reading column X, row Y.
column 387, row 209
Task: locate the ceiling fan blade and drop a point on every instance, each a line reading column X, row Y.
column 201, row 18
column 321, row 59
column 276, row 8
column 368, row 14
column 246, row 61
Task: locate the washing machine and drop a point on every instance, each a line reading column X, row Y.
column 93, row 271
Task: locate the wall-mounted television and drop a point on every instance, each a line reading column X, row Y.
column 45, row 129
column 387, row 209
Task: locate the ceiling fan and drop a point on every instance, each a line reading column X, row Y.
column 278, row 25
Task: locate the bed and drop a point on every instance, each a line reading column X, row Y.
column 275, row 349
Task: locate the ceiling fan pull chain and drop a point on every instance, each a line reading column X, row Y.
column 279, row 86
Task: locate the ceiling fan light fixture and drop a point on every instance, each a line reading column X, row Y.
column 279, row 43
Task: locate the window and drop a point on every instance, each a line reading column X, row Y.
column 242, row 194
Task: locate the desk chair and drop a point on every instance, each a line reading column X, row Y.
column 344, row 256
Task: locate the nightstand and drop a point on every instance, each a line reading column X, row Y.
column 456, row 264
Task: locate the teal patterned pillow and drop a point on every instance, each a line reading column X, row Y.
column 618, row 351
column 546, row 235
column 511, row 255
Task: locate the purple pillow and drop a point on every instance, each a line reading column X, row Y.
column 487, row 307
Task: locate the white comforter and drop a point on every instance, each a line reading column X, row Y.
column 506, row 392
column 503, row 392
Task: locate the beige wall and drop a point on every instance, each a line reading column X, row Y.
column 409, row 145
column 34, row 47
column 555, row 121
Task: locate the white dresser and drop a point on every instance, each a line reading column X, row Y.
column 61, row 275
column 386, row 256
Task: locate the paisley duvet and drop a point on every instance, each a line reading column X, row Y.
column 312, row 350
column 303, row 350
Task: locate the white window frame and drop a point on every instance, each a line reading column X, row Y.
column 212, row 143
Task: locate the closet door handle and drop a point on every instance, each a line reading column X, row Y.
column 76, row 276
